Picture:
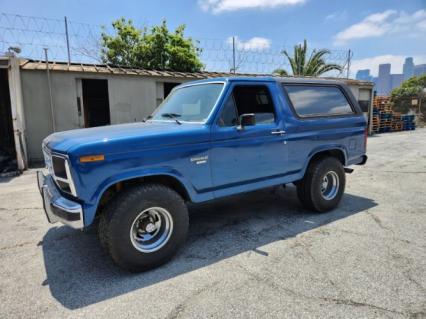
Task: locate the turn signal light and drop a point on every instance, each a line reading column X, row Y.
column 92, row 158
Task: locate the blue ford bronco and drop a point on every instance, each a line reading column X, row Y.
column 208, row 139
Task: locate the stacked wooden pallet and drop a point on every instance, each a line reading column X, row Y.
column 408, row 122
column 386, row 120
column 396, row 122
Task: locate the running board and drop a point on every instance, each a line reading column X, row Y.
column 349, row 170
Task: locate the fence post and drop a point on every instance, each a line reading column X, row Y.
column 349, row 63
column 68, row 40
column 233, row 55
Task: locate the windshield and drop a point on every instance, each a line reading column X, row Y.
column 192, row 103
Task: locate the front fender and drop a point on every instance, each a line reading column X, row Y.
column 90, row 208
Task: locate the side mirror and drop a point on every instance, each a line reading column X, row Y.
column 247, row 120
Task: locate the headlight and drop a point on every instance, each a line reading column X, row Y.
column 58, row 167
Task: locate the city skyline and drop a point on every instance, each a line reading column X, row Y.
column 386, row 81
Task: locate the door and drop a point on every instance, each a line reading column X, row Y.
column 168, row 87
column 8, row 161
column 255, row 153
column 95, row 102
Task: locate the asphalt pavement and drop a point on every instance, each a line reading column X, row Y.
column 256, row 255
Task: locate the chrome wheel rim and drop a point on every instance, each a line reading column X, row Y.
column 330, row 185
column 151, row 229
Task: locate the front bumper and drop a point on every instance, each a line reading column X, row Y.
column 57, row 207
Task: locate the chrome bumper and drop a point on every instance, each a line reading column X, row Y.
column 57, row 207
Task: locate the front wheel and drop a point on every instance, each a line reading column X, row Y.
column 323, row 186
column 144, row 226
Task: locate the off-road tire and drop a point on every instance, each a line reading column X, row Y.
column 117, row 220
column 309, row 188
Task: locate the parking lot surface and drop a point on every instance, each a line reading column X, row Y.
column 257, row 255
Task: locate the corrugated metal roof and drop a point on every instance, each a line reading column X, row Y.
column 109, row 69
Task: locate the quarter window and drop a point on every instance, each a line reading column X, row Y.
column 229, row 115
column 310, row 100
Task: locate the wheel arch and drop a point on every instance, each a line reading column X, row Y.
column 117, row 185
column 338, row 152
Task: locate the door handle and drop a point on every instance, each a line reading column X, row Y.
column 278, row 132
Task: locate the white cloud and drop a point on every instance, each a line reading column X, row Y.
column 218, row 6
column 372, row 63
column 336, row 16
column 389, row 22
column 255, row 43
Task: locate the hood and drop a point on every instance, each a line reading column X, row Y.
column 126, row 137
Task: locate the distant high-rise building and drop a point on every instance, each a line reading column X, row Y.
column 420, row 69
column 363, row 75
column 396, row 80
column 408, row 68
column 384, row 80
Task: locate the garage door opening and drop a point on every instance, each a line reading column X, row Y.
column 8, row 161
column 168, row 87
column 95, row 102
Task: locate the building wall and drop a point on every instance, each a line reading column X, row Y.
column 396, row 80
column 408, row 68
column 420, row 69
column 384, row 80
column 131, row 98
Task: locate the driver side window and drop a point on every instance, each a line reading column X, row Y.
column 245, row 99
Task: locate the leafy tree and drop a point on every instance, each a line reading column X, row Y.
column 302, row 65
column 155, row 48
column 413, row 88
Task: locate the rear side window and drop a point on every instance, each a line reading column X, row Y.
column 311, row 100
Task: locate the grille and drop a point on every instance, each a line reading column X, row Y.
column 59, row 170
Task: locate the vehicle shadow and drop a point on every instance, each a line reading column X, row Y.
column 80, row 273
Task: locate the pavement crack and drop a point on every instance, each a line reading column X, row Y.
column 17, row 245
column 338, row 301
column 18, row 208
column 180, row 308
column 308, row 251
column 378, row 221
column 350, row 302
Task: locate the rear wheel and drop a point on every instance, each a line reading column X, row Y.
column 144, row 226
column 323, row 186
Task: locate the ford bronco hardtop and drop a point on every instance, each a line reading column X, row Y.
column 208, row 139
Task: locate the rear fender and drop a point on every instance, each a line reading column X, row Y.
column 323, row 149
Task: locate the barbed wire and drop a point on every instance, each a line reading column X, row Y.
column 33, row 34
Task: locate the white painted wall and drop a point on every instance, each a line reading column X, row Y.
column 131, row 98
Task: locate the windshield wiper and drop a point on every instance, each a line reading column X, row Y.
column 172, row 116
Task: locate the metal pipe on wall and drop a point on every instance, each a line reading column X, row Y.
column 49, row 85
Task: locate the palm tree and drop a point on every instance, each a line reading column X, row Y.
column 314, row 66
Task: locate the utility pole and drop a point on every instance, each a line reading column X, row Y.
column 349, row 63
column 68, row 40
column 49, row 85
column 233, row 55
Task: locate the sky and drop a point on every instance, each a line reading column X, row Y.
column 377, row 31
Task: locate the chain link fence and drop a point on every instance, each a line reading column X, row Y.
column 81, row 43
